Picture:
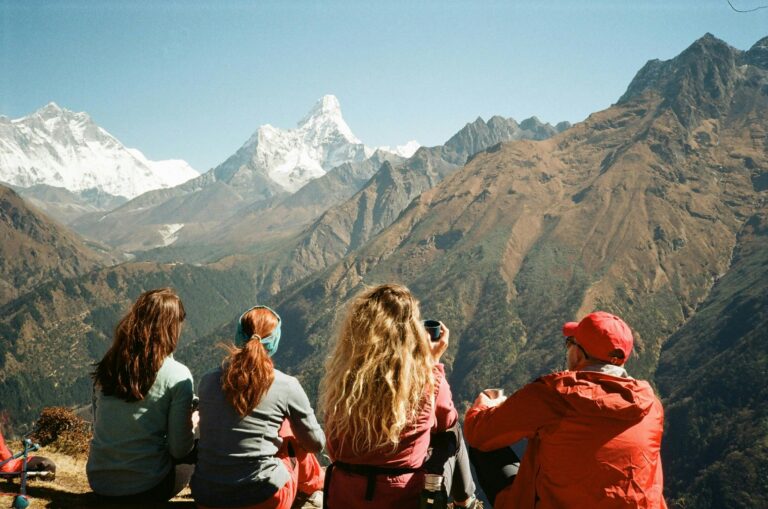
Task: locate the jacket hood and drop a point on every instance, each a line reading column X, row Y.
column 595, row 393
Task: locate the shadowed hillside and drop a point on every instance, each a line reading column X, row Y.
column 712, row 376
column 636, row 211
column 34, row 248
column 66, row 206
column 52, row 335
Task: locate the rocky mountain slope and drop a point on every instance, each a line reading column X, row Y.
column 61, row 148
column 346, row 226
column 271, row 164
column 50, row 336
column 35, row 249
column 712, row 376
column 637, row 210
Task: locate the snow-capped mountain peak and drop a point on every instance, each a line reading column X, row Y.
column 327, row 106
column 405, row 150
column 292, row 157
column 62, row 148
column 50, row 110
column 325, row 119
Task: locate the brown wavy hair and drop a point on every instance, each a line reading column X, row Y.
column 249, row 371
column 144, row 337
column 380, row 372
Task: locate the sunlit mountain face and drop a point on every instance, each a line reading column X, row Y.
column 653, row 209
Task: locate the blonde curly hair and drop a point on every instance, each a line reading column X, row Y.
column 380, row 371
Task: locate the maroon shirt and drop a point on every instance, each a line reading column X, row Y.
column 348, row 490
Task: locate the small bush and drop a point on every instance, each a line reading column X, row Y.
column 63, row 430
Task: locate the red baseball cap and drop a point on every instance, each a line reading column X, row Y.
column 601, row 334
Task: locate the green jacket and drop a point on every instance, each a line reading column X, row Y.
column 133, row 442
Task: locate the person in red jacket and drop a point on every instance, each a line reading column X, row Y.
column 594, row 433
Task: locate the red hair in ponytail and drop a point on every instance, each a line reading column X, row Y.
column 248, row 371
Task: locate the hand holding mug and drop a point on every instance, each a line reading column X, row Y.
column 490, row 397
column 433, row 328
column 439, row 347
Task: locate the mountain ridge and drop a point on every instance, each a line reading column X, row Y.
column 58, row 147
column 292, row 157
column 36, row 249
column 271, row 164
column 611, row 214
column 213, row 210
column 653, row 209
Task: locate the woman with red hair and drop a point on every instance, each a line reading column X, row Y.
column 258, row 431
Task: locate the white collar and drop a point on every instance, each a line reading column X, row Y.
column 608, row 369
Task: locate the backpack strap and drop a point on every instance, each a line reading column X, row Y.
column 370, row 472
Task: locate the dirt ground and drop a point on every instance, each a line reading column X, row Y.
column 70, row 488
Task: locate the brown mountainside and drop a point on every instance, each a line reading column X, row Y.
column 138, row 225
column 712, row 376
column 34, row 248
column 50, row 336
column 345, row 227
column 636, row 210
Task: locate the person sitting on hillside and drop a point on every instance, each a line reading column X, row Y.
column 142, row 407
column 258, row 431
column 594, row 433
column 388, row 410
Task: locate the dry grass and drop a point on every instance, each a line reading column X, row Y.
column 63, row 431
column 70, row 488
column 64, row 438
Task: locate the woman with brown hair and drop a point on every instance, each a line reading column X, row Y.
column 258, row 431
column 142, row 406
column 388, row 410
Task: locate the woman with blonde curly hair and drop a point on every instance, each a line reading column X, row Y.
column 389, row 416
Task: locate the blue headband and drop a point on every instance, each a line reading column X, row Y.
column 270, row 342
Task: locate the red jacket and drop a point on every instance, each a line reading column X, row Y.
column 5, row 453
column 593, row 442
column 347, row 490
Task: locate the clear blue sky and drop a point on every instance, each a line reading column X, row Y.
column 193, row 80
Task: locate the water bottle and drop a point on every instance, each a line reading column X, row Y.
column 433, row 496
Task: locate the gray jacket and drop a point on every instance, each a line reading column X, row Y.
column 236, row 462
